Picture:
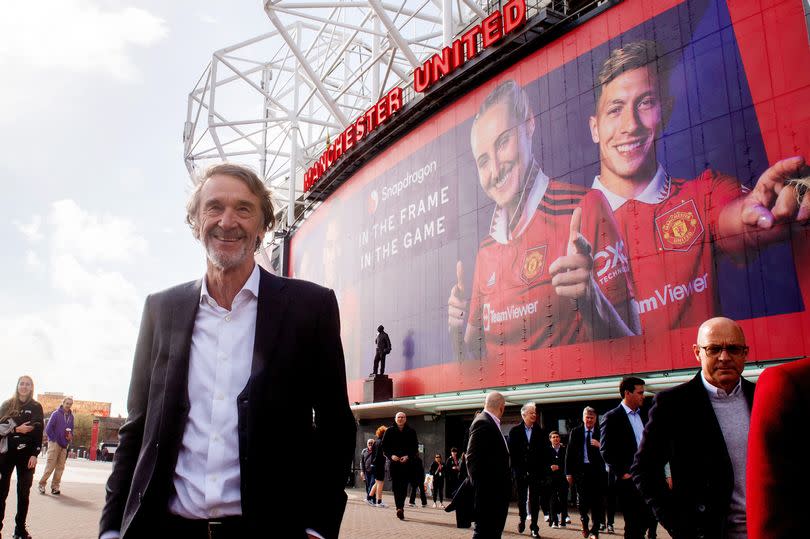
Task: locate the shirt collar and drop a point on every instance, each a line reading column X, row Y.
column 533, row 192
column 719, row 392
column 497, row 421
column 627, row 409
column 251, row 285
column 656, row 191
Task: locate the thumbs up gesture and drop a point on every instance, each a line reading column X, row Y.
column 571, row 274
column 458, row 303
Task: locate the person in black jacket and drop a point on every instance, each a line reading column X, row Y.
column 488, row 466
column 378, row 465
column 527, row 451
column 622, row 428
column 558, row 486
column 437, row 471
column 24, row 441
column 452, row 471
column 367, row 468
column 584, row 465
column 417, row 481
column 399, row 445
column 700, row 430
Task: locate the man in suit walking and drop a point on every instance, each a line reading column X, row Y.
column 216, row 368
column 585, row 467
column 621, row 429
column 400, row 446
column 488, row 469
column 558, row 486
column 701, row 429
column 527, row 444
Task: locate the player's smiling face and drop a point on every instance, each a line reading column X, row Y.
column 502, row 151
column 629, row 117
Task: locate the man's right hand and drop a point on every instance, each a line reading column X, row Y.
column 25, row 428
column 458, row 303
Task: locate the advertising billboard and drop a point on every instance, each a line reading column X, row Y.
column 583, row 211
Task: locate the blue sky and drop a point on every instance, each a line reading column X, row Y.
column 93, row 97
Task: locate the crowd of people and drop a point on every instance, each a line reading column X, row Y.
column 682, row 462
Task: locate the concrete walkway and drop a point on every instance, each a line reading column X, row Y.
column 75, row 514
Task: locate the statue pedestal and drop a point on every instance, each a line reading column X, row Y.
column 377, row 388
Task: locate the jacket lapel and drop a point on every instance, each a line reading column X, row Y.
column 703, row 408
column 184, row 313
column 270, row 313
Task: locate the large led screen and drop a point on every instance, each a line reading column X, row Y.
column 582, row 212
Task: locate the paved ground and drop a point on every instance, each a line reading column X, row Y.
column 74, row 514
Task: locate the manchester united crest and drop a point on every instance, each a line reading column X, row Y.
column 679, row 228
column 534, row 262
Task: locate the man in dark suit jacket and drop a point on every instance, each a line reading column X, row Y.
column 622, row 428
column 217, row 375
column 558, row 486
column 527, row 444
column 777, row 474
column 400, row 446
column 701, row 429
column 585, row 467
column 488, row 468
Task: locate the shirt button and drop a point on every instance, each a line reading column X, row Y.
column 228, row 318
column 212, row 303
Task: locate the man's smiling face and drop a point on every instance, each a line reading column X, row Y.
column 629, row 117
column 230, row 221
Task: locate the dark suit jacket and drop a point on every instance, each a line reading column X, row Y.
column 489, row 472
column 528, row 458
column 297, row 367
column 558, row 458
column 574, row 456
column 618, row 441
column 683, row 430
column 778, row 475
column 402, row 443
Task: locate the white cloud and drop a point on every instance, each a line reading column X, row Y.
column 82, row 342
column 33, row 261
column 93, row 238
column 207, row 19
column 31, row 230
column 76, row 35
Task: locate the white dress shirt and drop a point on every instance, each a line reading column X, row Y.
column 206, row 477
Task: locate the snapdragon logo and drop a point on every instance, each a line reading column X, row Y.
column 511, row 312
column 414, row 178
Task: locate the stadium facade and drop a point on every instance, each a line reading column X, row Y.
column 392, row 211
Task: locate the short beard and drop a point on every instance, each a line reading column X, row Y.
column 226, row 262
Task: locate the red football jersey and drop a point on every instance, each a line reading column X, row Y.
column 671, row 251
column 513, row 304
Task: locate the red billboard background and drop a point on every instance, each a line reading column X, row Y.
column 390, row 239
